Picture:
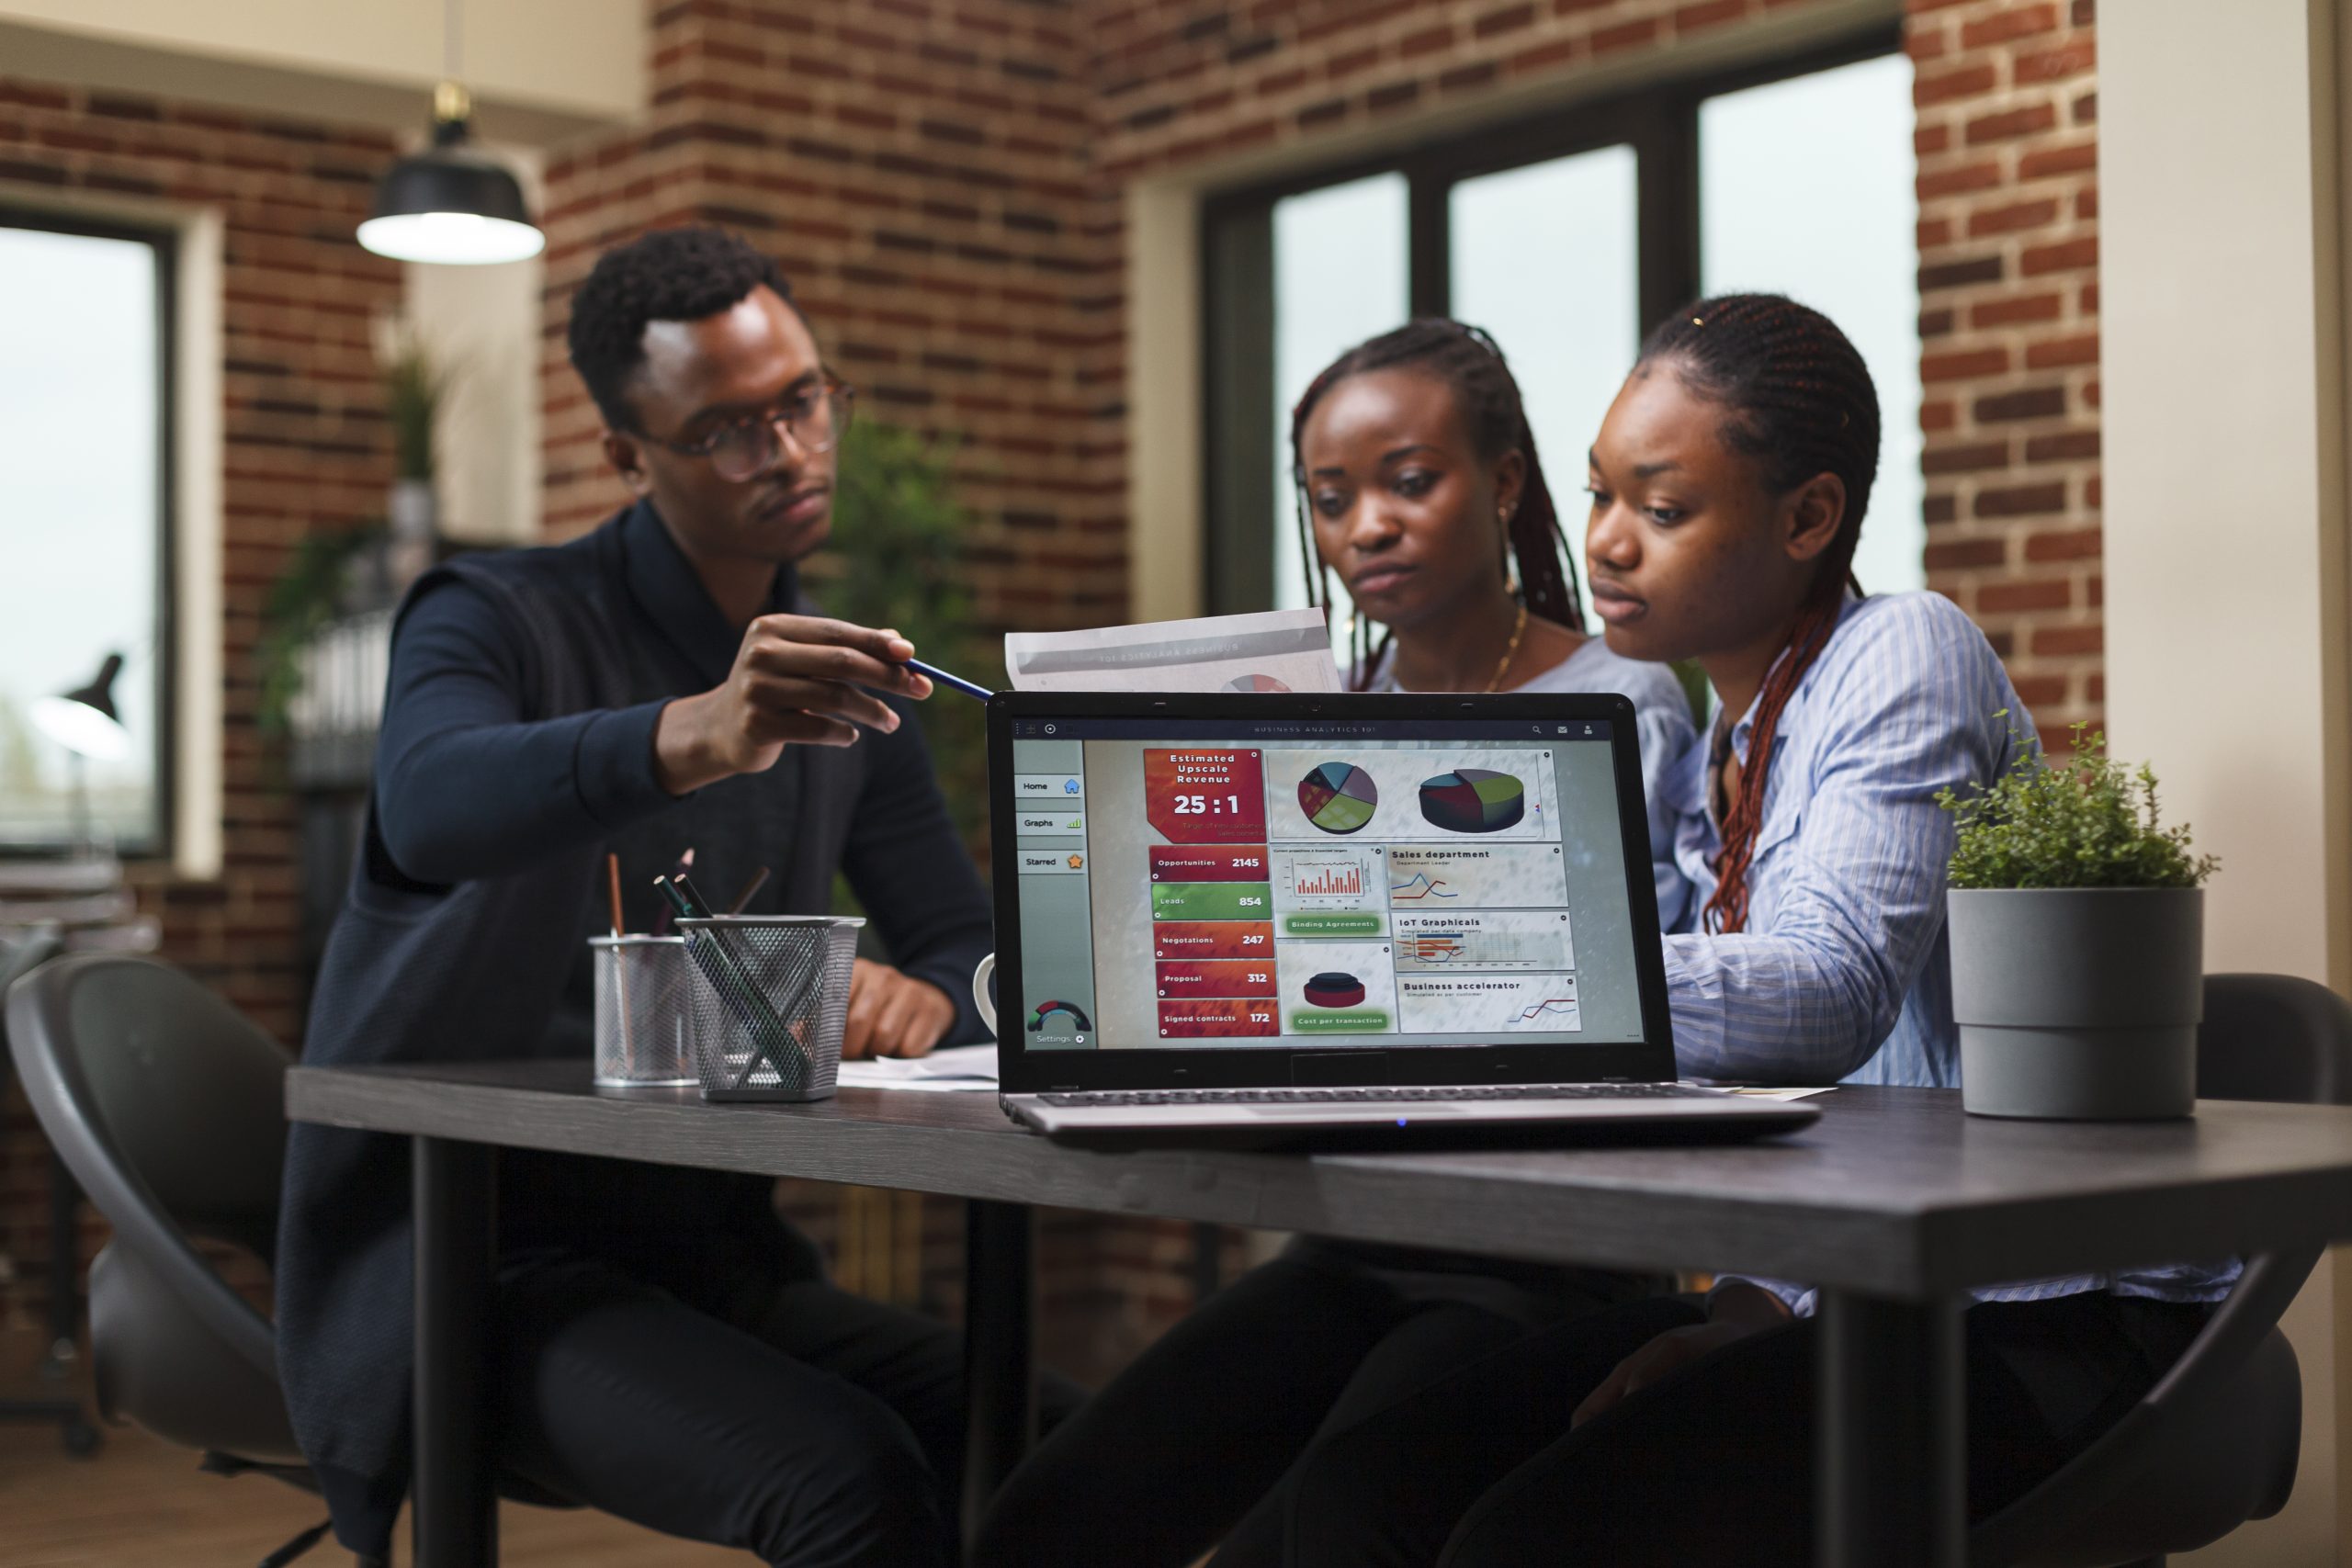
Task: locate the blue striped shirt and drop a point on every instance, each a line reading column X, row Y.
column 1843, row 974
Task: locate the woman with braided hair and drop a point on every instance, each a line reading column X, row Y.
column 1419, row 487
column 1728, row 483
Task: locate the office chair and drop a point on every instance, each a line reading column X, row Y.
column 167, row 1106
column 2214, row 1443
column 37, row 946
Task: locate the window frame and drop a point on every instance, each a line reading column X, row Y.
column 165, row 243
column 1660, row 122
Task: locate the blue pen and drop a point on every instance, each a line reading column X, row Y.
column 943, row 678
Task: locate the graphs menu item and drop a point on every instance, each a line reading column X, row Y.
column 1191, row 894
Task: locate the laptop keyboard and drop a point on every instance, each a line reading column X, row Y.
column 1380, row 1096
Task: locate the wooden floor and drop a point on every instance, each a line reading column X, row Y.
column 139, row 1500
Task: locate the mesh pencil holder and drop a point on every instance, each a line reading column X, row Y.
column 771, row 995
column 644, row 1013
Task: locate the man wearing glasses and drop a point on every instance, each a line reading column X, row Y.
column 666, row 1348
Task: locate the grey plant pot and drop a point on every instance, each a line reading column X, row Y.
column 2078, row 1003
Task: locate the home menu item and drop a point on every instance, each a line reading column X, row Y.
column 1458, row 883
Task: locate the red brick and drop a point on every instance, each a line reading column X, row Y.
column 2004, row 598
column 2069, row 255
column 1626, row 35
column 2032, row 402
column 2009, row 220
column 1428, row 41
column 1508, row 19
column 1711, row 14
column 1935, row 368
column 1959, row 181
column 2062, row 352
column 2045, row 161
column 2009, row 24
column 2007, row 125
column 2037, row 66
column 2017, row 309
column 1543, row 56
column 2072, row 543
column 1976, row 458
column 1961, row 554
column 2063, row 641
column 2022, row 500
column 1958, row 82
column 2063, row 446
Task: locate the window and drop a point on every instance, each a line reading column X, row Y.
column 1566, row 237
column 84, row 417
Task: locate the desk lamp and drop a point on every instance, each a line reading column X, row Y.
column 84, row 721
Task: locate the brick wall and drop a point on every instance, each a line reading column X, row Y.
column 944, row 184
column 921, row 171
column 2008, row 323
column 305, row 449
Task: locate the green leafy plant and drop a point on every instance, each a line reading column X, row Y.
column 315, row 587
column 2089, row 821
column 896, row 559
column 415, row 384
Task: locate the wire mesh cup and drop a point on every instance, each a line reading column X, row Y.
column 645, row 1025
column 771, row 995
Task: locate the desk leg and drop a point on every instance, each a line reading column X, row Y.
column 455, row 1196
column 999, row 1373
column 1890, row 1444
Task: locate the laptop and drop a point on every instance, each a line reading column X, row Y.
column 1272, row 917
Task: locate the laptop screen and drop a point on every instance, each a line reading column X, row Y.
column 1302, row 883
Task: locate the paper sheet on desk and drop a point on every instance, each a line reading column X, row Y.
column 1273, row 650
column 957, row 1067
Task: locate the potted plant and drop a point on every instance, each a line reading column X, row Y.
column 2078, row 942
column 414, row 385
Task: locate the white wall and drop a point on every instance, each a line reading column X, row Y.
column 481, row 325
column 539, row 70
column 2222, row 302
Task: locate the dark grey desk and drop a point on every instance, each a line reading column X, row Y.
column 1894, row 1204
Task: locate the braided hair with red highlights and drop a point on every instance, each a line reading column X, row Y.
column 1469, row 363
column 1798, row 398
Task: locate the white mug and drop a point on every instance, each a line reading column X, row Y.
column 981, row 998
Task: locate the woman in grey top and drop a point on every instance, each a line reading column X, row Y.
column 1420, row 488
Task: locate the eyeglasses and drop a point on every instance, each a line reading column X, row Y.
column 816, row 417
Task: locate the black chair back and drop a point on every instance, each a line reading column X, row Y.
column 168, row 1108
column 2215, row 1443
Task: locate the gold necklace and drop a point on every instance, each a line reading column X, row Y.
column 1518, row 630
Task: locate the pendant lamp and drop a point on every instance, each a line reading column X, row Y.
column 451, row 204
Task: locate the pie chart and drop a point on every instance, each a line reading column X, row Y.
column 1339, row 797
column 1472, row 800
column 1255, row 684
column 1334, row 988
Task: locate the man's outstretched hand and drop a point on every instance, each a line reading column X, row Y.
column 797, row 679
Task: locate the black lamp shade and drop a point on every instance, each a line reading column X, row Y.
column 450, row 204
column 100, row 692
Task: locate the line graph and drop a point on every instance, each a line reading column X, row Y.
column 1562, row 1006
column 1423, row 885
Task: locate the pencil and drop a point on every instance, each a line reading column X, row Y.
column 662, row 915
column 620, row 969
column 759, row 880
column 969, row 688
